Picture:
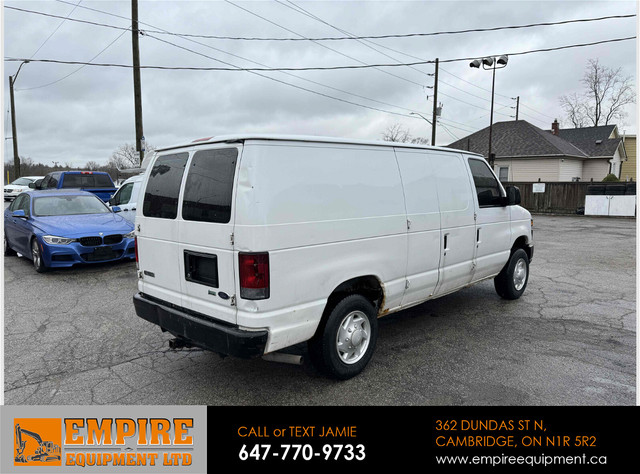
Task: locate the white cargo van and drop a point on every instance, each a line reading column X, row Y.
column 247, row 245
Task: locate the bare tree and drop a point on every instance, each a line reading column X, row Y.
column 125, row 156
column 397, row 133
column 606, row 93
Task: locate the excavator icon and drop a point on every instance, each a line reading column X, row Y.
column 46, row 451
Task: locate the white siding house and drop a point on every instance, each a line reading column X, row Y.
column 524, row 152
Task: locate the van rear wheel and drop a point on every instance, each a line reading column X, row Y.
column 512, row 280
column 346, row 339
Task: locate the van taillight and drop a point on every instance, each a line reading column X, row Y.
column 254, row 275
column 135, row 241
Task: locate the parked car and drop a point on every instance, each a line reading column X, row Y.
column 18, row 186
column 96, row 182
column 251, row 244
column 126, row 197
column 61, row 228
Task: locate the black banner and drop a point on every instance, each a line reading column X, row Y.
column 438, row 439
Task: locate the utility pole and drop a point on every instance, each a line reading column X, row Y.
column 137, row 94
column 435, row 105
column 517, row 106
column 16, row 158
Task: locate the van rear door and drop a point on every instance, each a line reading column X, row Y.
column 157, row 234
column 207, row 261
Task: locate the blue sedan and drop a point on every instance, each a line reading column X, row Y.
column 61, row 228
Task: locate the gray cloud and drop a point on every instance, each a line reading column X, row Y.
column 90, row 113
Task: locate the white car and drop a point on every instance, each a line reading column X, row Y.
column 18, row 186
column 250, row 244
column 126, row 198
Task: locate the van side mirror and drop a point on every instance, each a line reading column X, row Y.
column 19, row 213
column 513, row 196
column 35, row 184
column 116, row 209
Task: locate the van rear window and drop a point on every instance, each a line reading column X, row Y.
column 209, row 188
column 163, row 187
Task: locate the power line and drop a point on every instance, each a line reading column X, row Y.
column 320, row 44
column 578, row 45
column 75, row 70
column 302, row 11
column 57, row 28
column 324, row 68
column 234, row 68
column 474, row 85
column 404, row 35
column 255, row 62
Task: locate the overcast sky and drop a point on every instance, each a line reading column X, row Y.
column 74, row 114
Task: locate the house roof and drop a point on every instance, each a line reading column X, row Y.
column 601, row 132
column 519, row 138
column 594, row 141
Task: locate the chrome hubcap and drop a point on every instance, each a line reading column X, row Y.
column 353, row 337
column 520, row 274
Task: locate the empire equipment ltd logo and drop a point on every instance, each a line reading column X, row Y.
column 37, row 441
column 113, row 442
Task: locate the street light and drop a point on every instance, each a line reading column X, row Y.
column 16, row 158
column 491, row 64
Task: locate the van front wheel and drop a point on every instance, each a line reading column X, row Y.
column 512, row 280
column 345, row 341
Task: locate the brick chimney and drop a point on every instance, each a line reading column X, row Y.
column 555, row 127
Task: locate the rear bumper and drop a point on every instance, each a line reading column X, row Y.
column 200, row 330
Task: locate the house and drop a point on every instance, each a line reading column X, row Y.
column 629, row 167
column 524, row 152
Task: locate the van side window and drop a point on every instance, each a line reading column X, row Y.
column 209, row 188
column 163, row 187
column 123, row 196
column 486, row 184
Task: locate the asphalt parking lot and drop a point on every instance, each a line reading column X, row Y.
column 72, row 337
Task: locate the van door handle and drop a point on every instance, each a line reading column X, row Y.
column 445, row 243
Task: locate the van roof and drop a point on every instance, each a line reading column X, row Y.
column 307, row 138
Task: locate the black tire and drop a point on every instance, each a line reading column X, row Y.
column 8, row 251
column 36, row 257
column 511, row 282
column 324, row 349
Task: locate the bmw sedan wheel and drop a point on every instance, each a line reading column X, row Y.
column 36, row 256
column 7, row 250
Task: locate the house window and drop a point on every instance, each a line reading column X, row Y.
column 503, row 173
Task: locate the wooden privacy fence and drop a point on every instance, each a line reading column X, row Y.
column 557, row 198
